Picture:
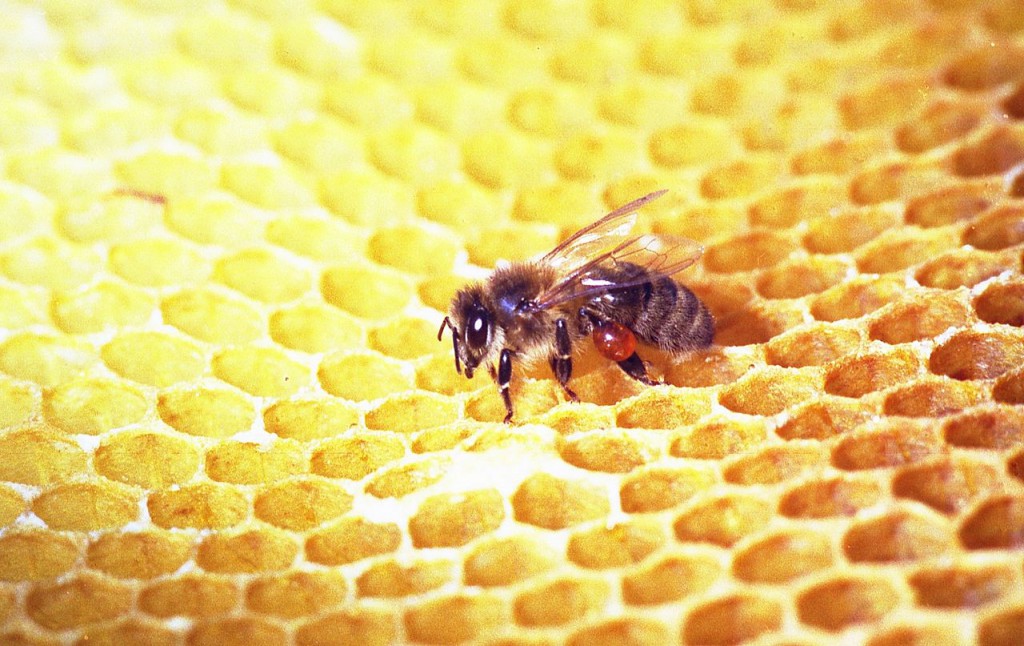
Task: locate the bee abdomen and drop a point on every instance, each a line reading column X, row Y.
column 673, row 318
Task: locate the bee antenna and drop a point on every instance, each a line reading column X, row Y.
column 446, row 323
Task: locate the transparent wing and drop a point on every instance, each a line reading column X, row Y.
column 633, row 262
column 596, row 239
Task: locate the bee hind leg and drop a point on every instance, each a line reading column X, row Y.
column 635, row 367
column 561, row 361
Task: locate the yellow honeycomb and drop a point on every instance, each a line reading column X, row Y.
column 229, row 231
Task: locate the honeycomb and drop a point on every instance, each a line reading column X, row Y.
column 230, row 230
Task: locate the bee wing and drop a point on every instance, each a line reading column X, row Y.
column 634, row 259
column 593, row 240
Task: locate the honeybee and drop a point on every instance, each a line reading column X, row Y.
column 601, row 282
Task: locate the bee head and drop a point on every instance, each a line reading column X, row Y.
column 473, row 330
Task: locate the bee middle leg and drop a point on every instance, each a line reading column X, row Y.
column 504, row 377
column 561, row 361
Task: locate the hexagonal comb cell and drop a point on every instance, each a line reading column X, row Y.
column 986, row 67
column 553, row 503
column 859, row 375
column 811, row 345
column 960, row 268
column 77, row 602
column 938, row 124
column 36, row 555
column 917, row 318
column 824, row 418
column 843, row 602
column 722, row 521
column 933, row 398
column 994, row 153
column 997, row 228
column 348, row 540
column 769, row 391
column 93, row 406
column 301, row 503
column 140, row 555
column 1002, row 303
column 718, row 438
column 782, row 557
column 753, row 251
column 855, row 298
column 275, row 594
column 622, row 630
column 1009, row 388
column 732, row 619
column 881, row 103
column 454, row 520
column 800, row 277
column 669, row 579
column 848, row 229
column 392, row 579
column 85, row 507
column 999, row 427
column 939, row 634
column 949, row 205
column 227, row 242
column 896, row 537
column 896, row 250
column 617, row 546
column 757, row 322
column 836, row 156
column 248, row 551
column 962, row 587
column 977, row 355
column 774, row 465
column 190, row 595
column 648, row 490
column 889, row 443
column 801, row 203
column 945, row 485
column 834, row 497
column 606, row 452
column 560, row 602
column 996, row 523
column 504, row 561
column 1001, row 627
column 456, row 617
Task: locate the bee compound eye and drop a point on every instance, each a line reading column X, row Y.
column 477, row 329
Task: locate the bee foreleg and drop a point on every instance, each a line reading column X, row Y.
column 561, row 361
column 635, row 367
column 504, row 378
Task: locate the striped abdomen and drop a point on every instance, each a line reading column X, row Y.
column 661, row 312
